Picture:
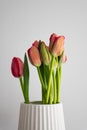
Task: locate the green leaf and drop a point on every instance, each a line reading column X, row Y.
column 46, row 73
column 26, row 79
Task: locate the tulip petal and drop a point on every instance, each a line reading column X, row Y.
column 64, row 58
column 36, row 43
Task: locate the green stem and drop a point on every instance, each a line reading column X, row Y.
column 58, row 100
column 41, row 79
column 60, row 72
column 43, row 85
column 43, row 96
column 22, row 85
column 49, row 81
column 50, row 100
column 54, row 83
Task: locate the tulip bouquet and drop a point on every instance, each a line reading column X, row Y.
column 48, row 61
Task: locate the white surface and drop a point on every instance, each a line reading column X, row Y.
column 22, row 22
column 41, row 117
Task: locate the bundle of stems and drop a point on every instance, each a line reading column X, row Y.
column 50, row 78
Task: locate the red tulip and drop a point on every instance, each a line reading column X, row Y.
column 56, row 45
column 17, row 67
column 34, row 56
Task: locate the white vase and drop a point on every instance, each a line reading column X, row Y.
column 37, row 116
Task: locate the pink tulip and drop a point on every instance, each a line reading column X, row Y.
column 56, row 45
column 34, row 56
column 52, row 38
column 17, row 67
column 64, row 58
column 36, row 43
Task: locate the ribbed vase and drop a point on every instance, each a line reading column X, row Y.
column 41, row 117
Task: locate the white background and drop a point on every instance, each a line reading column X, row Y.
column 22, row 22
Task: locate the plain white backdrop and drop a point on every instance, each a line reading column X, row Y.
column 22, row 22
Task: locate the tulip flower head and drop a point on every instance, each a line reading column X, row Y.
column 17, row 67
column 45, row 54
column 52, row 38
column 56, row 45
column 34, row 56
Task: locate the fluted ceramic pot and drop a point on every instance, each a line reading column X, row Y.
column 37, row 116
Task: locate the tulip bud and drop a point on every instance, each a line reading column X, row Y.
column 56, row 45
column 45, row 54
column 52, row 38
column 17, row 67
column 64, row 58
column 34, row 56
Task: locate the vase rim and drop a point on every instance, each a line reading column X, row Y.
column 40, row 103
